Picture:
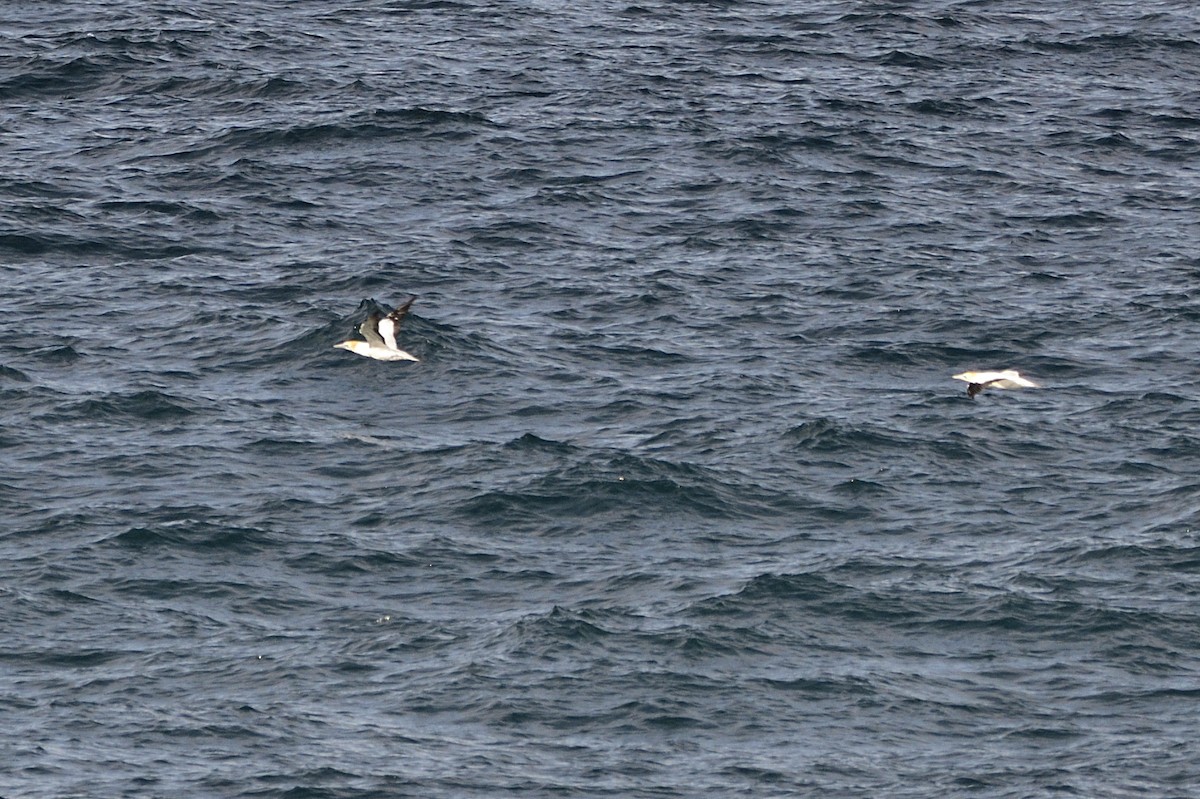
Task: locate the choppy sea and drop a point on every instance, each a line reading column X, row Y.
column 681, row 499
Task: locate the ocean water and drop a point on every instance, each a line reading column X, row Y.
column 681, row 499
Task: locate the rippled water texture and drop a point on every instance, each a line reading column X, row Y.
column 681, row 499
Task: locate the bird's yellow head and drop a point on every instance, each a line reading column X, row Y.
column 352, row 345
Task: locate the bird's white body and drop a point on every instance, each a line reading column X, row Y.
column 1009, row 378
column 978, row 381
column 378, row 353
column 380, row 334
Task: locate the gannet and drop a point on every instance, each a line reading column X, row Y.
column 380, row 334
column 1009, row 378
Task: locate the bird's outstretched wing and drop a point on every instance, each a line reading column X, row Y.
column 370, row 329
column 388, row 325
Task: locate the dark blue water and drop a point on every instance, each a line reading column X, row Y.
column 681, row 499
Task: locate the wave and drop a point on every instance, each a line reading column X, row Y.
column 595, row 484
column 148, row 406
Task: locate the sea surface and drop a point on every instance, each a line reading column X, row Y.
column 681, row 499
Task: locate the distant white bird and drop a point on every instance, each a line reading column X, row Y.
column 380, row 334
column 1009, row 378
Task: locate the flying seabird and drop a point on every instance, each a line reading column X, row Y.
column 1009, row 378
column 380, row 334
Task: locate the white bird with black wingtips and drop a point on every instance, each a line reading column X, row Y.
column 1008, row 378
column 380, row 334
